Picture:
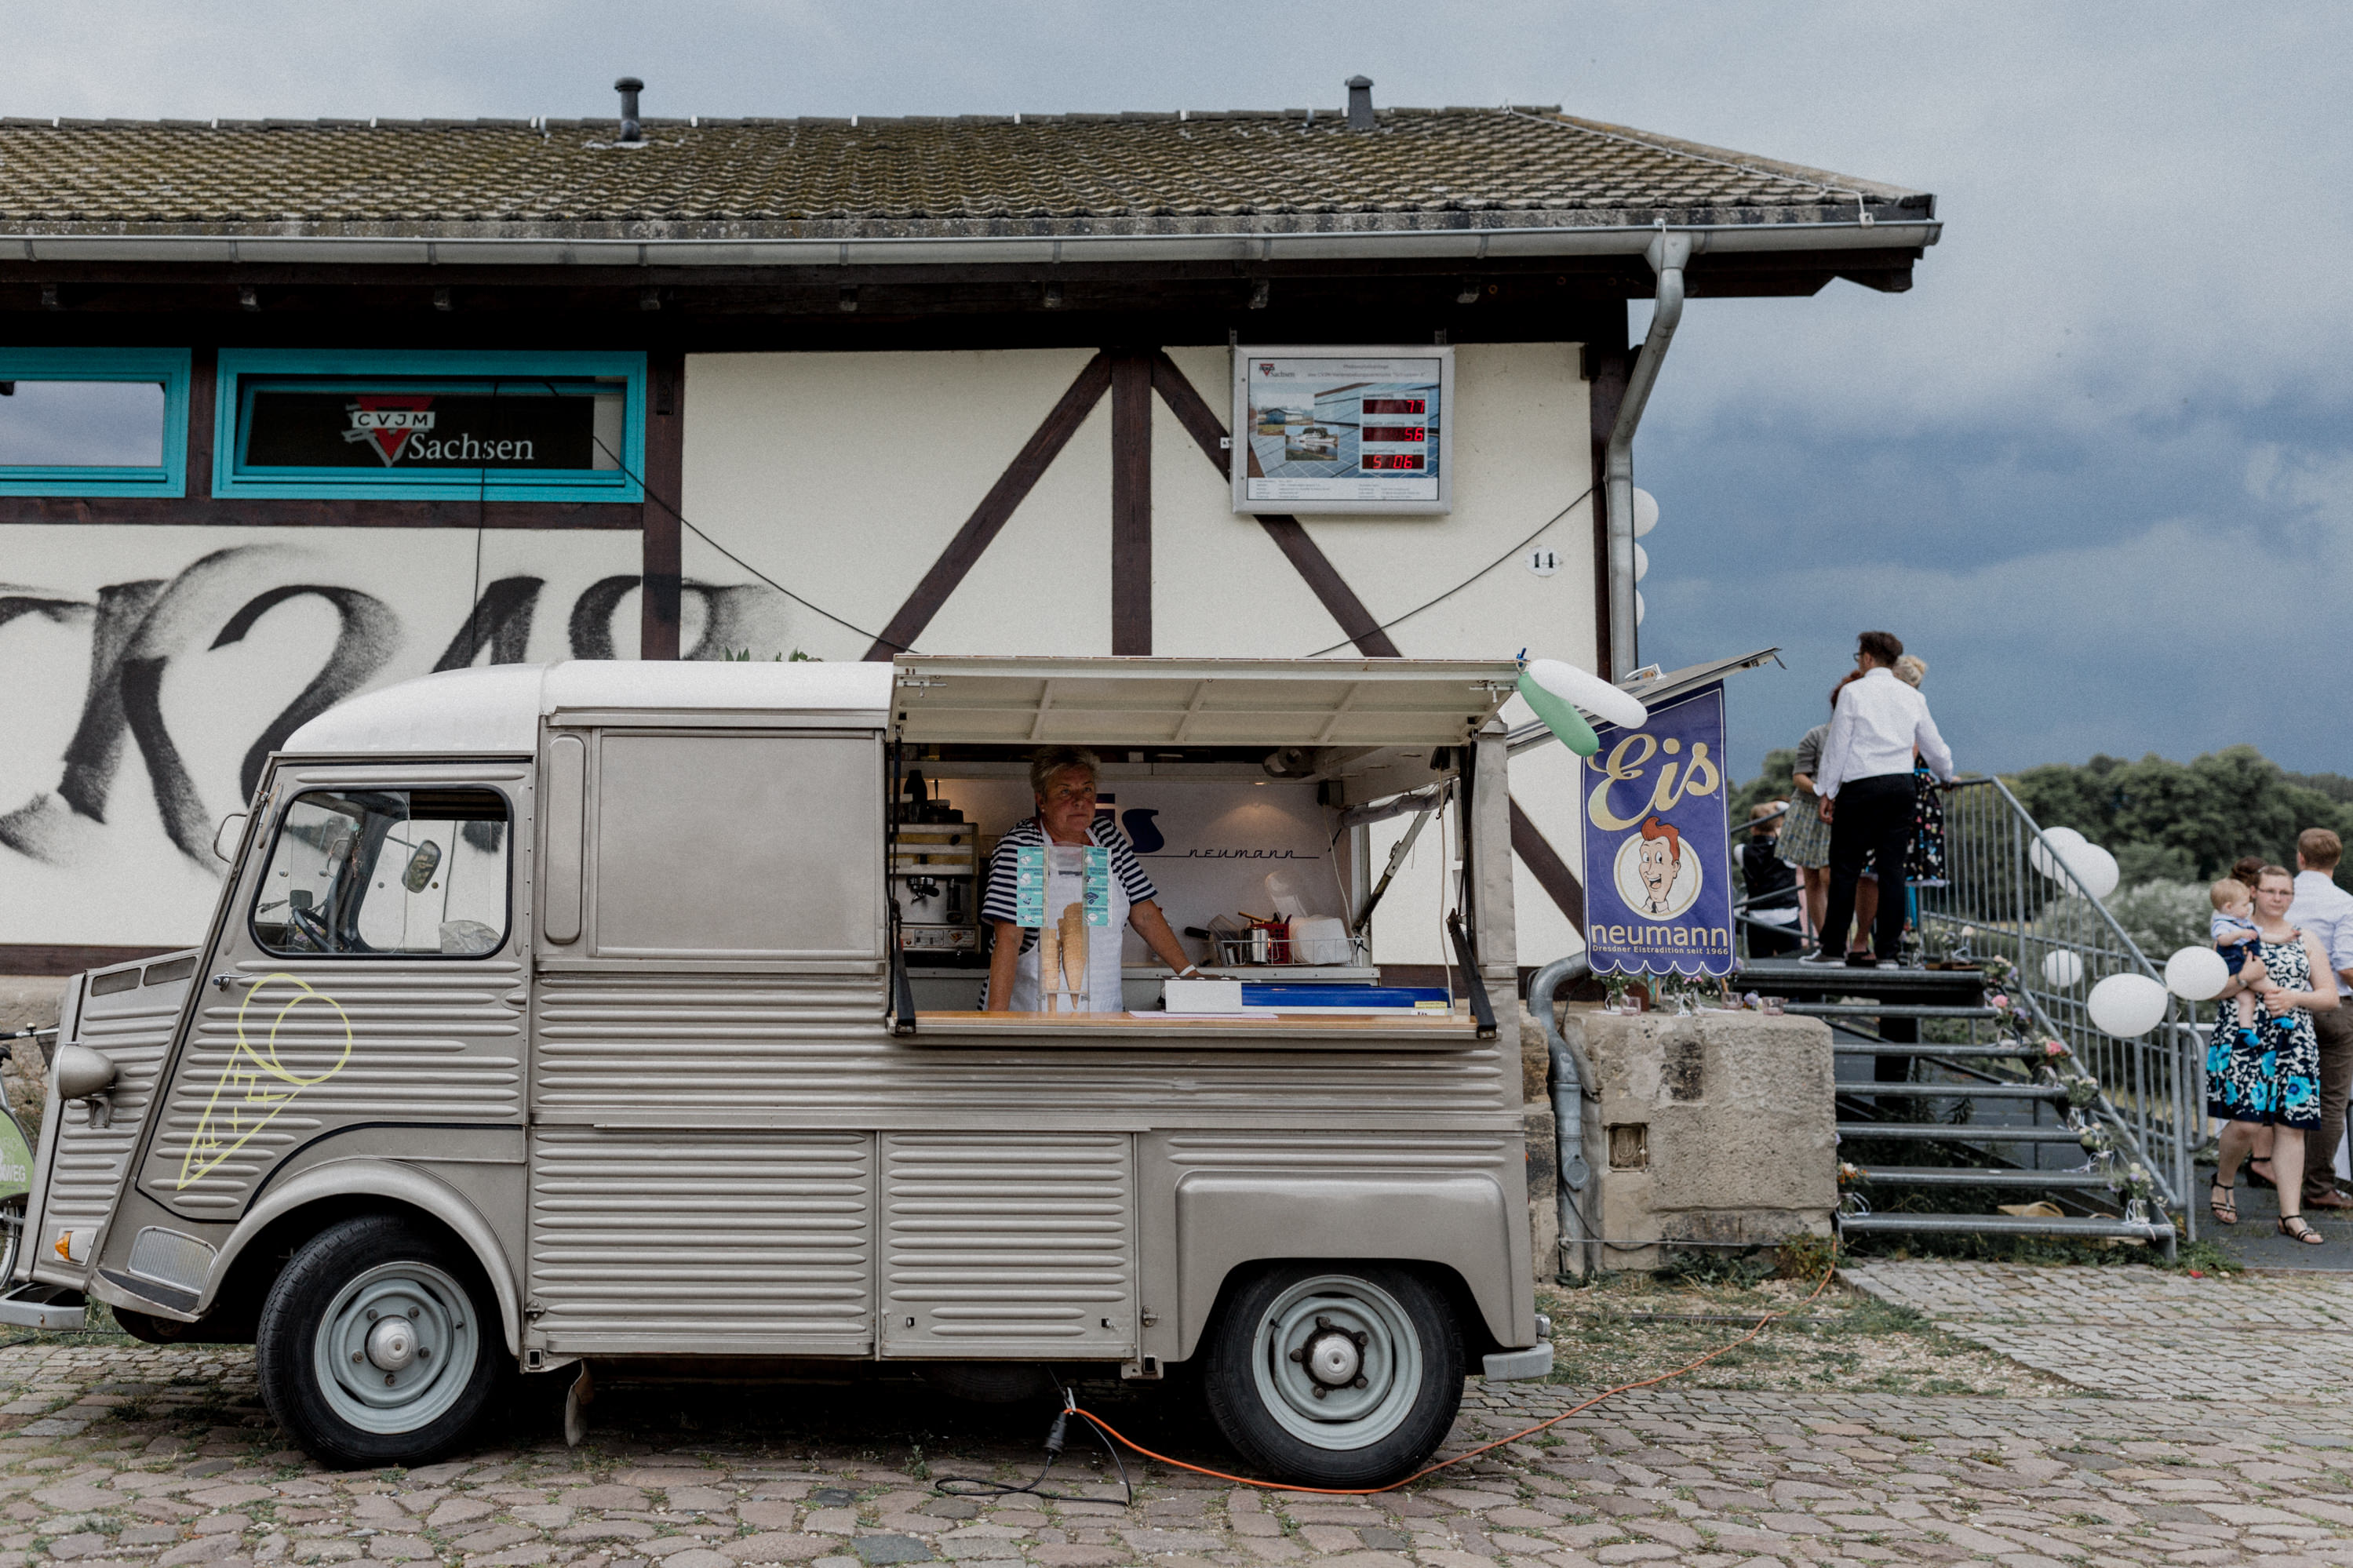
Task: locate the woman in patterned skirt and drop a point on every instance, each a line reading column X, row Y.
column 1805, row 836
column 2269, row 1076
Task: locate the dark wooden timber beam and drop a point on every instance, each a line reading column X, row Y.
column 996, row 508
column 1307, row 558
column 1130, row 503
column 1544, row 864
column 657, row 607
column 1607, row 365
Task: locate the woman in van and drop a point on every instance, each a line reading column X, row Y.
column 1093, row 887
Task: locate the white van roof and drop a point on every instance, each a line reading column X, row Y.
column 497, row 709
column 1100, row 702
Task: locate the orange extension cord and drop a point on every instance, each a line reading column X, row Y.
column 1106, row 1426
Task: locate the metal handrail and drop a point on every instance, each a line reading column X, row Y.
column 2151, row 1097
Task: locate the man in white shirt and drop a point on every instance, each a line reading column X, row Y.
column 1865, row 785
column 2325, row 912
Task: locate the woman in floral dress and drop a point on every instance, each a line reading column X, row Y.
column 2269, row 1076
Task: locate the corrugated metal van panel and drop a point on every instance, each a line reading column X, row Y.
column 133, row 1028
column 1008, row 1244
column 427, row 1042
column 1342, row 1151
column 817, row 1044
column 710, row 1240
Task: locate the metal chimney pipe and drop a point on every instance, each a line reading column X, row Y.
column 1360, row 103
column 628, row 87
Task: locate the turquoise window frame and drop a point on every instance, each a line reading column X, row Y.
column 169, row 367
column 242, row 369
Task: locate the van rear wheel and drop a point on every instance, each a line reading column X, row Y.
column 377, row 1344
column 1334, row 1374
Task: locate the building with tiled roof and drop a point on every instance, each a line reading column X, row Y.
column 289, row 409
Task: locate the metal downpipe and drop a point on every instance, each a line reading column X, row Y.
column 1667, row 255
column 1571, row 1082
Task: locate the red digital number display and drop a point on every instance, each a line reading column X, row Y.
column 1407, row 462
column 1396, row 405
column 1396, row 433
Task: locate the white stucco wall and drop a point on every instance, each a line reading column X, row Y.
column 842, row 476
column 792, row 462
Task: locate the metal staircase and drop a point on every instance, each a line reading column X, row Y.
column 2012, row 1096
column 1923, row 1123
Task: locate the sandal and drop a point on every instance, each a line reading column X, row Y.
column 2226, row 1208
column 2293, row 1227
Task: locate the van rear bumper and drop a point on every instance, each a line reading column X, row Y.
column 36, row 1306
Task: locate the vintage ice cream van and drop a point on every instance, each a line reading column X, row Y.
column 621, row 1015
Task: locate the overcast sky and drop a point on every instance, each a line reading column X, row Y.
column 2095, row 468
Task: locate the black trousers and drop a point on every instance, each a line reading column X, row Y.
column 1873, row 815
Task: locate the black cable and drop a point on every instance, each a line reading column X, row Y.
column 640, row 480
column 1506, row 555
column 1056, row 1435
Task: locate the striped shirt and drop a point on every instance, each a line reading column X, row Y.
column 997, row 903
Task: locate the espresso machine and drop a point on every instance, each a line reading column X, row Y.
column 934, row 875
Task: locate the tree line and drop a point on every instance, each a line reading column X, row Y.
column 2164, row 821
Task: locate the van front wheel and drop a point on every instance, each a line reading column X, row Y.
column 377, row 1345
column 1334, row 1374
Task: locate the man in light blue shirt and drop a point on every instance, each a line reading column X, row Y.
column 2325, row 912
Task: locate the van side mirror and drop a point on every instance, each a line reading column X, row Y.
column 421, row 866
column 231, row 829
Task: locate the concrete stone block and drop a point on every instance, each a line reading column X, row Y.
column 1719, row 1127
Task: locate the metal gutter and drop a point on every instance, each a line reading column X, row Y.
column 1571, row 1084
column 1458, row 244
column 1667, row 253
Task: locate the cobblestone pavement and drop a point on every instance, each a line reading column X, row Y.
column 114, row 1453
column 2143, row 1332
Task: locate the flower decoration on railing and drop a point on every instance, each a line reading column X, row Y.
column 1852, row 1175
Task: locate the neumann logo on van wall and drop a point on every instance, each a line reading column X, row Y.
column 256, row 1084
column 399, row 426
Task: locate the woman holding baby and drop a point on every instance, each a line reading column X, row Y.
column 2268, row 1073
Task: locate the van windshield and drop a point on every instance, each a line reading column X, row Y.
column 379, row 871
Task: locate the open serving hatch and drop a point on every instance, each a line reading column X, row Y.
column 1221, row 740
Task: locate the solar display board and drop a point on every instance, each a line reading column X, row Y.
column 1342, row 429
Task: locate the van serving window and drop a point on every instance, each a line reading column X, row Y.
column 424, row 427
column 383, row 872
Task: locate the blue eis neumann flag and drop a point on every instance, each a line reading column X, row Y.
column 1658, row 843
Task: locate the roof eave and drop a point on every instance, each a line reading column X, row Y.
column 1415, row 237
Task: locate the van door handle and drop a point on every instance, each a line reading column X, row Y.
column 223, row 982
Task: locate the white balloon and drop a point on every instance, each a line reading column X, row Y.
column 1591, row 692
column 2062, row 969
column 2095, row 868
column 1641, row 562
column 1640, row 609
column 2043, row 854
column 2126, row 1004
column 1646, row 513
column 2197, row 973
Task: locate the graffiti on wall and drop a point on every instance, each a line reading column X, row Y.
column 137, row 675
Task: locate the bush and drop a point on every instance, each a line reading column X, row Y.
column 1802, row 1255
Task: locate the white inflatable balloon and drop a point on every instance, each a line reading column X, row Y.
column 2125, row 1005
column 1646, row 511
column 2093, row 867
column 2197, row 973
column 1642, row 564
column 1591, row 692
column 1640, row 609
column 2062, row 969
column 2043, row 854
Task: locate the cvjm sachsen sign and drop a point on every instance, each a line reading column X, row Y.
column 303, row 430
column 1658, row 853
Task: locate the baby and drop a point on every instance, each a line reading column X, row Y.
column 2235, row 937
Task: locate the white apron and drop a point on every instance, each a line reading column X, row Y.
column 1090, row 955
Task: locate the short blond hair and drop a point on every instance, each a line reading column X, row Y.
column 1911, row 669
column 2228, row 891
